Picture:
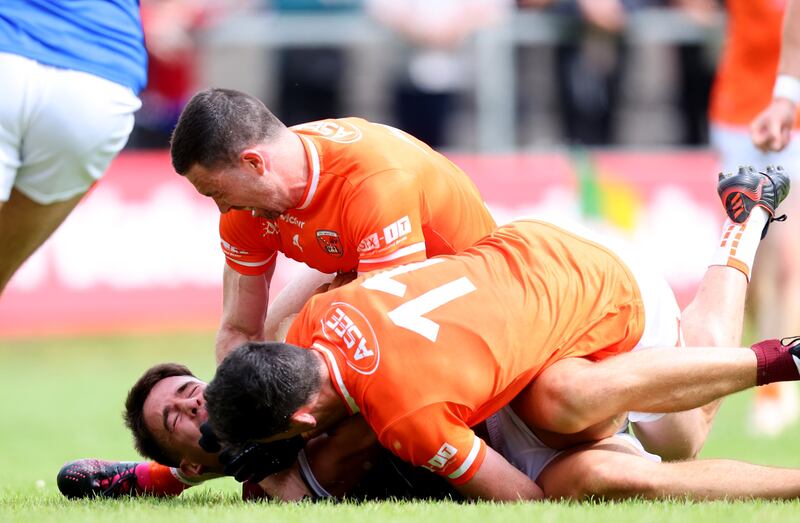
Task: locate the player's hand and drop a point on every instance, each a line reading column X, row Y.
column 771, row 129
column 343, row 278
column 256, row 461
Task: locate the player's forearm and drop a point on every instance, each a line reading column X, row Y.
column 787, row 84
column 498, row 480
column 244, row 307
column 230, row 337
column 790, row 46
column 292, row 298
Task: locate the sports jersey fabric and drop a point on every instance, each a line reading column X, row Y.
column 100, row 37
column 427, row 350
column 376, row 197
column 749, row 63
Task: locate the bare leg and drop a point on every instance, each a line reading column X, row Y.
column 613, row 470
column 574, row 393
column 713, row 318
column 24, row 227
column 715, row 315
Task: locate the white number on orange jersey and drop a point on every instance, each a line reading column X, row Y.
column 409, row 314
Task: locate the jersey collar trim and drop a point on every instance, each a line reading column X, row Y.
column 313, row 179
column 337, row 376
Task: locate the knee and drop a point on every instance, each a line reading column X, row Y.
column 703, row 331
column 674, row 442
column 685, row 449
column 564, row 408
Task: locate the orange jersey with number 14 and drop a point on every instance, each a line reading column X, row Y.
column 376, row 197
column 427, row 350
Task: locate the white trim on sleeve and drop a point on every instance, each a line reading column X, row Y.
column 251, row 264
column 476, row 447
column 399, row 253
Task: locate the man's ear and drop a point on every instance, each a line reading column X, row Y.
column 303, row 420
column 256, row 160
column 191, row 470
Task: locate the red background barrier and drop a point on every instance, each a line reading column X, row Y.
column 141, row 251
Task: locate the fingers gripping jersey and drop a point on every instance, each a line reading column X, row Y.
column 427, row 350
column 376, row 198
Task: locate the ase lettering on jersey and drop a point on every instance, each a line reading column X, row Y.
column 351, row 333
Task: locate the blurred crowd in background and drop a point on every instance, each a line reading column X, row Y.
column 580, row 72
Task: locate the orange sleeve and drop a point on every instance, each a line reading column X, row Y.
column 245, row 241
column 388, row 230
column 436, row 439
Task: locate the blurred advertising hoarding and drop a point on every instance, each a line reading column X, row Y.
column 141, row 253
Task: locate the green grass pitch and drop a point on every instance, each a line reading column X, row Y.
column 61, row 399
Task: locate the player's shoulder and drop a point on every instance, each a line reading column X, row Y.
column 356, row 136
column 336, row 131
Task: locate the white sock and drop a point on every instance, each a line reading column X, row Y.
column 740, row 241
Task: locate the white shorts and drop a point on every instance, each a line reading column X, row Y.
column 59, row 128
column 735, row 149
column 510, row 437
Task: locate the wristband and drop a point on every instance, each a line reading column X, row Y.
column 788, row 87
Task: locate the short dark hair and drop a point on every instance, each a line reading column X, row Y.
column 146, row 444
column 216, row 125
column 257, row 388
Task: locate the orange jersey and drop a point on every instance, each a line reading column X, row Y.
column 427, row 350
column 749, row 63
column 376, row 197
